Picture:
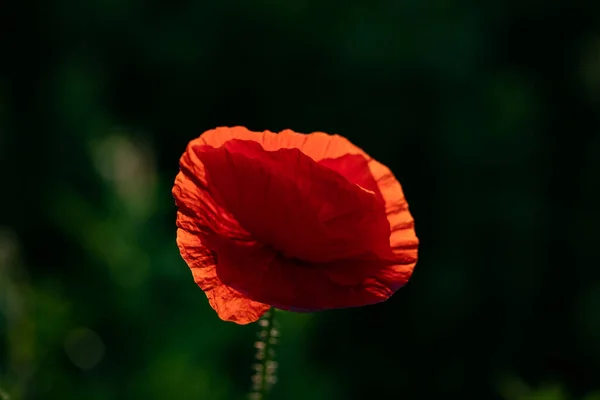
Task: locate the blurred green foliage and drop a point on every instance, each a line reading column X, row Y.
column 487, row 113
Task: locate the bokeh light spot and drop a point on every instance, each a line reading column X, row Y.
column 84, row 347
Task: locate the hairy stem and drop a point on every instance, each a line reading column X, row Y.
column 265, row 367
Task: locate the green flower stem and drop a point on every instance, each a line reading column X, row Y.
column 265, row 366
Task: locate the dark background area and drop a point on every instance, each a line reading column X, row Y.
column 488, row 114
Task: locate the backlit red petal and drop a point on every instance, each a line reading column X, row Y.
column 198, row 215
column 300, row 222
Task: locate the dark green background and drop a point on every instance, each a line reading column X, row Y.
column 488, row 114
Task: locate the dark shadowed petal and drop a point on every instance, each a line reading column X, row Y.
column 291, row 284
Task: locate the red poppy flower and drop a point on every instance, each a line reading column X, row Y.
column 300, row 222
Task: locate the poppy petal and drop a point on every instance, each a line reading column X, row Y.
column 403, row 240
column 197, row 216
column 286, row 200
column 229, row 304
column 374, row 176
column 339, row 154
column 316, row 145
column 299, row 222
column 291, row 284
